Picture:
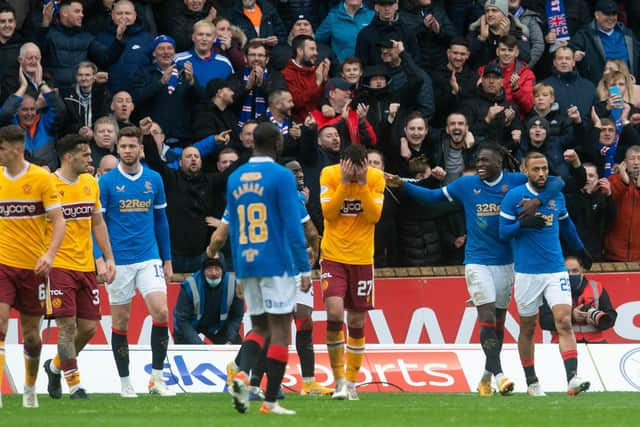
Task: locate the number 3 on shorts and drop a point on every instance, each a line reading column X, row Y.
column 565, row 286
column 365, row 287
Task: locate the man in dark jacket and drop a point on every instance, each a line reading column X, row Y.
column 216, row 115
column 271, row 30
column 489, row 115
column 605, row 38
column 184, row 15
column 208, row 305
column 453, row 82
column 137, row 45
column 388, row 21
column 167, row 92
column 496, row 22
column 452, row 148
column 403, row 72
column 65, row 44
column 569, row 88
column 10, row 42
column 592, row 210
column 434, row 31
column 189, row 201
column 86, row 101
column 281, row 53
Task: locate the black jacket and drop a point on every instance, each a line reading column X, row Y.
column 593, row 214
column 64, row 47
column 9, row 66
column 189, row 200
column 270, row 25
column 172, row 111
column 447, row 102
column 483, row 52
column 476, row 108
column 419, row 229
column 367, row 42
column 181, row 23
column 77, row 115
column 432, row 46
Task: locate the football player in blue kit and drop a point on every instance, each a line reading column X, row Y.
column 488, row 260
column 134, row 201
column 540, row 270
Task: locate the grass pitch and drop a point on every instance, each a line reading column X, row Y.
column 374, row 409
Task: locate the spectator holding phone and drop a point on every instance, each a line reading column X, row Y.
column 614, row 94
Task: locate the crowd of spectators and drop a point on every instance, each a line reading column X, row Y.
column 420, row 83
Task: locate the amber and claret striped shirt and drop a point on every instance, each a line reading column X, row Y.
column 24, row 201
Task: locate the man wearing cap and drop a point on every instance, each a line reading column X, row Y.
column 301, row 26
column 216, row 114
column 404, row 74
column 342, row 25
column 208, row 305
column 490, row 116
column 167, row 92
column 65, row 44
column 604, row 39
column 388, row 21
column 305, row 77
column 207, row 64
column 338, row 95
column 485, row 33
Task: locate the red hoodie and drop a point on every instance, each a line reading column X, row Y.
column 352, row 125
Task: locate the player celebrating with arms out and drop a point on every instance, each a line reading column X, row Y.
column 27, row 196
column 540, row 269
column 488, row 260
column 134, row 202
column 351, row 195
column 268, row 252
column 76, row 299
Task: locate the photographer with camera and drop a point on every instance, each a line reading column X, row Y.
column 592, row 310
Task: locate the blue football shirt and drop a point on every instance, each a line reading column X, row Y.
column 263, row 212
column 129, row 201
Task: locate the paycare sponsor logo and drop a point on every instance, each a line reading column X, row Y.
column 77, row 210
column 21, row 209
